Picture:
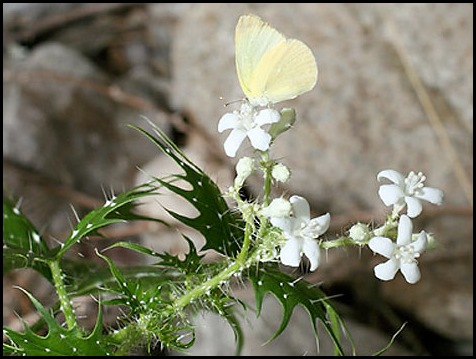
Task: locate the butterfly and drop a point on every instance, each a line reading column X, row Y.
column 270, row 67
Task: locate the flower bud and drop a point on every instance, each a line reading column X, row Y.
column 288, row 117
column 244, row 168
column 359, row 232
column 279, row 207
column 280, row 173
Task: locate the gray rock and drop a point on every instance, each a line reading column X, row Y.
column 63, row 118
column 297, row 339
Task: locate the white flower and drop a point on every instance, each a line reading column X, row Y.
column 409, row 191
column 280, row 173
column 401, row 255
column 244, row 168
column 247, row 123
column 301, row 231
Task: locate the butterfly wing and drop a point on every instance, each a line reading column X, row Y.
column 253, row 39
column 287, row 70
column 271, row 68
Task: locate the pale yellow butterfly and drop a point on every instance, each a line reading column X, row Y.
column 270, row 67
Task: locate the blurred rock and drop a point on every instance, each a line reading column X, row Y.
column 297, row 339
column 61, row 120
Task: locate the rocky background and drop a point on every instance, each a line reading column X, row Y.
column 395, row 90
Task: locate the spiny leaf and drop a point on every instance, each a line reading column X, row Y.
column 150, row 305
column 91, row 282
column 117, row 209
column 191, row 263
column 225, row 307
column 141, row 296
column 18, row 230
column 290, row 293
column 220, row 227
column 234, row 323
column 23, row 247
column 117, row 275
column 59, row 341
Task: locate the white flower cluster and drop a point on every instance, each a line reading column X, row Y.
column 292, row 217
column 403, row 255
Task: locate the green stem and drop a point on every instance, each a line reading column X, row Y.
column 212, row 283
column 389, row 225
column 267, row 177
column 242, row 256
column 65, row 301
column 338, row 242
column 267, row 168
column 384, row 231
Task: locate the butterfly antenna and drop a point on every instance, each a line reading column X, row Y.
column 232, row 102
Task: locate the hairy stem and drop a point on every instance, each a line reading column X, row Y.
column 64, row 299
column 267, row 168
column 338, row 242
column 237, row 266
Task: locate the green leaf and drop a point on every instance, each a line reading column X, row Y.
column 117, row 209
column 288, row 117
column 139, row 296
column 58, row 341
column 190, row 265
column 291, row 293
column 151, row 309
column 234, row 323
column 121, row 281
column 221, row 228
column 23, row 247
column 102, row 279
column 225, row 307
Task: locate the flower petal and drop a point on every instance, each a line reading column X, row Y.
column 227, row 121
column 260, row 139
column 411, row 272
column 283, row 223
column 420, row 244
column 291, row 253
column 432, row 195
column 383, row 246
column 311, row 249
column 318, row 226
column 405, row 229
column 233, row 142
column 266, row 116
column 413, row 206
column 301, row 209
column 387, row 270
column 390, row 194
column 394, row 176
